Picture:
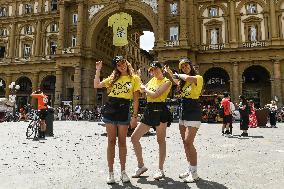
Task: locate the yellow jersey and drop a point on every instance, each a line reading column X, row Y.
column 192, row 90
column 153, row 85
column 119, row 22
column 124, row 87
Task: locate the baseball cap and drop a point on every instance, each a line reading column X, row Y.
column 155, row 64
column 116, row 59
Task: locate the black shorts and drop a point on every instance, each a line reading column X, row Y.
column 42, row 114
column 227, row 119
column 156, row 113
column 191, row 110
column 116, row 109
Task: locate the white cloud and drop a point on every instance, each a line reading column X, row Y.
column 147, row 40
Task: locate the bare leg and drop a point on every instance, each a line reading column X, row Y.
column 122, row 133
column 190, row 134
column 161, row 136
column 182, row 130
column 111, row 136
column 140, row 130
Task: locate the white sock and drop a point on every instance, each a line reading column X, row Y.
column 193, row 169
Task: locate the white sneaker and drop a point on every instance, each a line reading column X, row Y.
column 192, row 177
column 124, row 178
column 159, row 174
column 110, row 178
column 183, row 175
column 139, row 171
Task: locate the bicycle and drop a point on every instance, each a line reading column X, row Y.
column 34, row 126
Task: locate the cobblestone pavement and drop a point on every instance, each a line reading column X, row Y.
column 76, row 158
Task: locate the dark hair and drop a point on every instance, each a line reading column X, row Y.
column 243, row 98
column 192, row 72
column 226, row 94
column 156, row 64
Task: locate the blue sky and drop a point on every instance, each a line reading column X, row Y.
column 147, row 41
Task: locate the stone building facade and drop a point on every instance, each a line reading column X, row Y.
column 237, row 45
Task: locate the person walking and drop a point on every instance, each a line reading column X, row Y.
column 252, row 115
column 227, row 119
column 124, row 86
column 156, row 114
column 244, row 112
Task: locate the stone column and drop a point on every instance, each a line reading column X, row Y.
column 272, row 88
column 58, row 87
column 241, row 82
column 231, row 90
column 61, row 28
column 12, row 41
column 161, row 23
column 183, row 25
column 77, row 86
column 80, row 25
column 35, row 86
column 236, row 87
column 232, row 22
column 38, row 39
column 277, row 81
column 273, row 19
column 8, row 81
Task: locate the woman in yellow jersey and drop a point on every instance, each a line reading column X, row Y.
column 156, row 114
column 123, row 86
column 190, row 86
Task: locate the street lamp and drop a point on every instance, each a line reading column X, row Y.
column 12, row 97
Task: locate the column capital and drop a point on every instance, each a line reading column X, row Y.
column 236, row 63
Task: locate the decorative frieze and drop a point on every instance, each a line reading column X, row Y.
column 94, row 10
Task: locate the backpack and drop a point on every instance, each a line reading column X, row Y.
column 221, row 111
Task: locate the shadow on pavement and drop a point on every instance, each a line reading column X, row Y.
column 166, row 183
column 206, row 184
column 124, row 186
column 241, row 137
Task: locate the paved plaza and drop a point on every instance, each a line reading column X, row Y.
column 76, row 158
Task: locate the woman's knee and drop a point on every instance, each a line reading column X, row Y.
column 112, row 141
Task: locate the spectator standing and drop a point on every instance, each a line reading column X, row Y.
column 272, row 113
column 252, row 115
column 227, row 119
column 244, row 112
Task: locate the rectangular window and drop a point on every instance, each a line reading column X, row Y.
column 2, row 51
column 174, row 33
column 3, row 32
column 173, row 9
column 53, row 47
column 54, row 27
column 251, row 8
column 213, row 12
column 74, row 40
column 29, row 30
column 3, row 12
column 28, row 8
column 75, row 18
column 27, row 50
column 54, row 5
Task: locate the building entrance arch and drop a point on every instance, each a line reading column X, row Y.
column 216, row 81
column 257, row 85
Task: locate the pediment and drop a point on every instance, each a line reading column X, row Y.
column 213, row 22
column 252, row 19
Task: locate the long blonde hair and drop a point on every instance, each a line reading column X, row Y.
column 116, row 73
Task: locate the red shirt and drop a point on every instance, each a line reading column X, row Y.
column 41, row 100
column 226, row 104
